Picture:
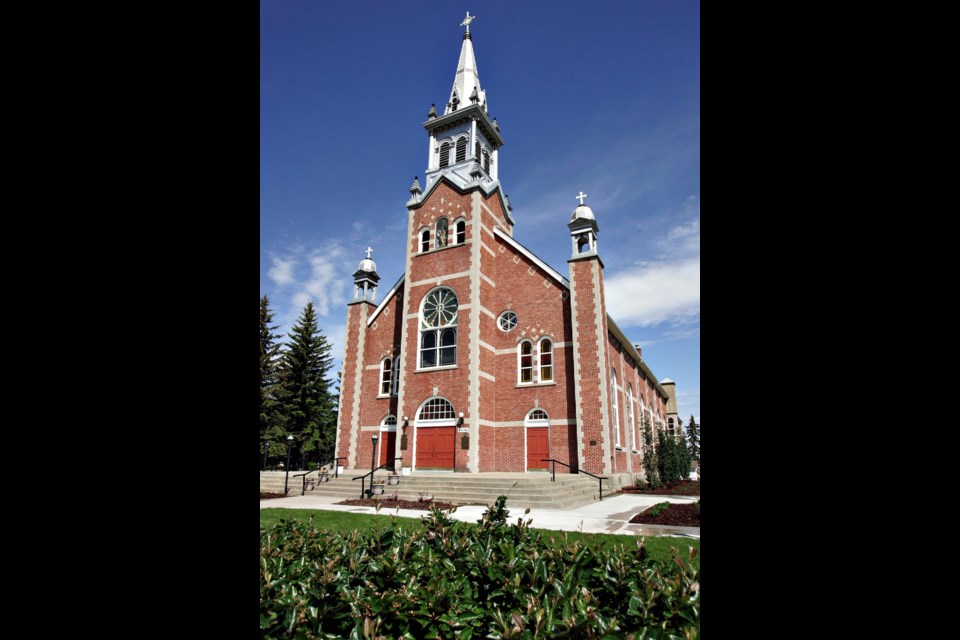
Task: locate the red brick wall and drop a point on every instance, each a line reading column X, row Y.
column 543, row 308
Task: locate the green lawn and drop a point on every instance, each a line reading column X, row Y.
column 341, row 522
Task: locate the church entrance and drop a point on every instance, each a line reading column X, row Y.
column 388, row 444
column 435, row 447
column 538, row 447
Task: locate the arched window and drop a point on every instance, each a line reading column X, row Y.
column 537, row 418
column 389, row 421
column 441, row 232
column 670, row 427
column 436, row 409
column 462, row 149
column 396, row 376
column 476, row 151
column 486, row 161
column 631, row 422
column 461, row 231
column 425, row 241
column 525, row 361
column 615, row 403
column 546, row 360
column 444, row 154
column 386, row 376
column 583, row 244
column 438, row 329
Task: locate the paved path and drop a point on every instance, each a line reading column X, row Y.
column 608, row 516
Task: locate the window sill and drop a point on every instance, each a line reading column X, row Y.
column 634, row 451
column 450, row 246
column 528, row 385
column 619, row 448
column 384, row 397
column 444, row 368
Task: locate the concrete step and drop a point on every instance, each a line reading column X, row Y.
column 522, row 490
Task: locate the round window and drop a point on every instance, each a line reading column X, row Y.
column 507, row 321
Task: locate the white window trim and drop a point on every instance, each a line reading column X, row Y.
column 504, row 313
column 553, row 363
column 380, row 393
column 616, row 408
column 533, row 368
column 438, row 331
column 631, row 416
column 395, row 387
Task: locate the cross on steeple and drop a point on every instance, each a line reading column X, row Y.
column 466, row 21
column 369, row 251
column 580, row 197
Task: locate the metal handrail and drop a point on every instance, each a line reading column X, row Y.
column 363, row 478
column 303, row 489
column 553, row 477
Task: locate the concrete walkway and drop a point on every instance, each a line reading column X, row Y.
column 612, row 515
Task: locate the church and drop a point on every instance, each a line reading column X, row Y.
column 482, row 357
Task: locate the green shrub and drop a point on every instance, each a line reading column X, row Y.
column 657, row 509
column 448, row 579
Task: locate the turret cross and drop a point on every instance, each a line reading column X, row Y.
column 581, row 197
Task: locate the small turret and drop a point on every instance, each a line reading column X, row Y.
column 365, row 279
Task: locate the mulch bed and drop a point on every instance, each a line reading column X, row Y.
column 682, row 488
column 270, row 496
column 399, row 504
column 676, row 515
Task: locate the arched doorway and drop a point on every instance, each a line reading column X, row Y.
column 435, row 425
column 537, row 426
column 388, row 439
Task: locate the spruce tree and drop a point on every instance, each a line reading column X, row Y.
column 308, row 397
column 693, row 439
column 270, row 409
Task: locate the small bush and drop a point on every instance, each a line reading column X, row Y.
column 448, row 579
column 657, row 509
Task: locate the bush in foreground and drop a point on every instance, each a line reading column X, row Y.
column 451, row 580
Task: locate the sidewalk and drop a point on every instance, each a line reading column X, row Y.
column 609, row 516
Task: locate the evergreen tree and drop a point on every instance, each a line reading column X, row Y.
column 270, row 410
column 650, row 463
column 309, row 399
column 693, row 439
column 682, row 456
column 667, row 458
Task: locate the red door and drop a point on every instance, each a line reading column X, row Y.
column 538, row 447
column 388, row 444
column 435, row 448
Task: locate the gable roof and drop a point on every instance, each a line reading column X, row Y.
column 386, row 299
column 553, row 273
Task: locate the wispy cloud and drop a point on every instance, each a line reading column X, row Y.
column 282, row 271
column 664, row 290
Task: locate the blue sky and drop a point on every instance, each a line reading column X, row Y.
column 602, row 97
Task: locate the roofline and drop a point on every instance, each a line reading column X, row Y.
column 533, row 258
column 450, row 119
column 386, row 299
column 632, row 352
column 497, row 188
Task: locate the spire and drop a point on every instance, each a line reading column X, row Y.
column 466, row 84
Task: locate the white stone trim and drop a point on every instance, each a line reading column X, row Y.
column 603, row 367
column 554, row 422
column 484, row 374
column 488, row 280
column 489, row 250
column 537, row 261
column 488, row 312
column 357, row 382
column 386, row 298
column 439, row 280
column 473, row 454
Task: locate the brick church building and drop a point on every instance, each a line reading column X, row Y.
column 482, row 357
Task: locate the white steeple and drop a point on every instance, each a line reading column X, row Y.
column 466, row 84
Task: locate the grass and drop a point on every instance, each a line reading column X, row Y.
column 342, row 522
